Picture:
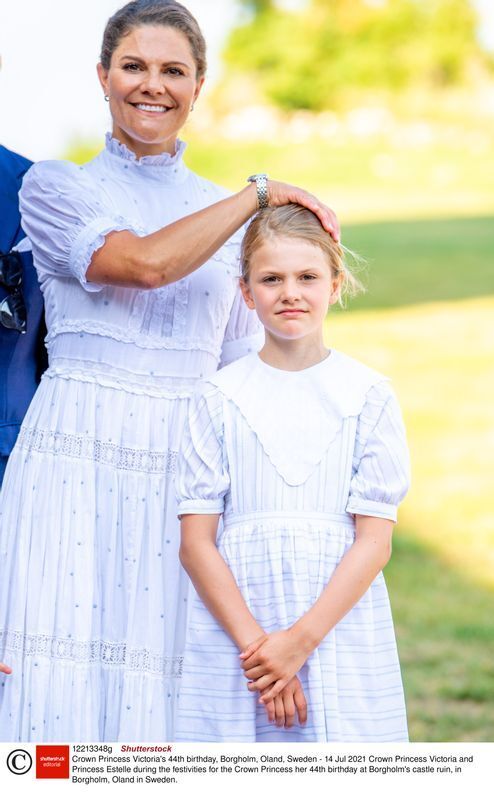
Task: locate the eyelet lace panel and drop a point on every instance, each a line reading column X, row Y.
column 79, row 446
column 115, row 654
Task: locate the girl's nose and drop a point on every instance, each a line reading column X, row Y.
column 290, row 292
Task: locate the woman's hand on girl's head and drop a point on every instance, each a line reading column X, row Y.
column 4, row 668
column 280, row 194
column 288, row 704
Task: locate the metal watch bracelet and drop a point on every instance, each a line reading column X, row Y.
column 261, row 181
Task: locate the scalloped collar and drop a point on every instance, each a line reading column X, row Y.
column 164, row 167
column 296, row 415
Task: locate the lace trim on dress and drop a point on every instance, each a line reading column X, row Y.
column 116, row 654
column 116, row 148
column 79, row 446
column 110, row 377
column 91, row 238
column 146, row 341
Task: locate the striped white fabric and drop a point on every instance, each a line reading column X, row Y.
column 283, row 541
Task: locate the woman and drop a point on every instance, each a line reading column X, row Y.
column 92, row 601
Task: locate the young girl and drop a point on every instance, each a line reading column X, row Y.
column 303, row 452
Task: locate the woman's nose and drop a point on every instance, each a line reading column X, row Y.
column 154, row 83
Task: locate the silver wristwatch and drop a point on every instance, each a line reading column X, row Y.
column 261, row 181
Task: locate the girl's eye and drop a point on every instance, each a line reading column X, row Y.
column 309, row 277
column 270, row 279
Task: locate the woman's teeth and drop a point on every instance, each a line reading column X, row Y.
column 143, row 107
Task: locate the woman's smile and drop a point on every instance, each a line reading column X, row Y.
column 151, row 85
column 151, row 109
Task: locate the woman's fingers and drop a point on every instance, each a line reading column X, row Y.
column 326, row 216
column 280, row 194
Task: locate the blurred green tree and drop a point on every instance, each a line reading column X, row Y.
column 310, row 57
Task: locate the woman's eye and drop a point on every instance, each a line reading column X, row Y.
column 132, row 67
column 174, row 71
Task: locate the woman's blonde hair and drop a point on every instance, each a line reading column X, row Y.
column 296, row 222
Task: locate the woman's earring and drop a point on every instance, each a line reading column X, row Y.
column 107, row 98
column 192, row 107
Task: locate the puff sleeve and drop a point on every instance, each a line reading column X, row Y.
column 381, row 470
column 244, row 333
column 202, row 478
column 65, row 221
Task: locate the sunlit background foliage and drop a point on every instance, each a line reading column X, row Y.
column 321, row 54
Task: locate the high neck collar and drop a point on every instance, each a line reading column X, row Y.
column 164, row 167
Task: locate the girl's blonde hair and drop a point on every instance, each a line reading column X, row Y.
column 296, row 222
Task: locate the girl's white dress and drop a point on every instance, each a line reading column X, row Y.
column 289, row 458
column 92, row 598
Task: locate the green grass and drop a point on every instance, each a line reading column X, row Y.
column 422, row 261
column 445, row 629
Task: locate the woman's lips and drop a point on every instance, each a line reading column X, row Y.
column 150, row 108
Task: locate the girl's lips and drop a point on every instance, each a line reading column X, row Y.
column 290, row 312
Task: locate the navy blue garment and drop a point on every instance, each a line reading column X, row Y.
column 22, row 356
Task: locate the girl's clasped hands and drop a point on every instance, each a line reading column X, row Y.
column 270, row 663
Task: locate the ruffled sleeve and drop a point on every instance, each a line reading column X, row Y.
column 244, row 333
column 65, row 221
column 381, row 471
column 202, row 478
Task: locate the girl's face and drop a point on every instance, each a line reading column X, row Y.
column 152, row 85
column 291, row 287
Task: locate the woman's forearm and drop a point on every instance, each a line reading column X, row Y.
column 171, row 253
column 349, row 582
column 213, row 580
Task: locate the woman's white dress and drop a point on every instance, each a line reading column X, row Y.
column 289, row 458
column 92, row 598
